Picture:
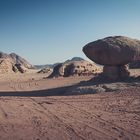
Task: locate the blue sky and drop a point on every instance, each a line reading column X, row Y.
column 49, row 31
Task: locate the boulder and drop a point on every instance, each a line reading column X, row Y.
column 118, row 50
column 114, row 53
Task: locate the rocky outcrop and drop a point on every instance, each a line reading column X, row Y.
column 5, row 66
column 12, row 63
column 3, row 55
column 114, row 53
column 19, row 60
column 75, row 68
column 20, row 68
column 45, row 70
column 57, row 71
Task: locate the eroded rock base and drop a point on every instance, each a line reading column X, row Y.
column 116, row 72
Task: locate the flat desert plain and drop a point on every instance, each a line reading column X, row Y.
column 34, row 108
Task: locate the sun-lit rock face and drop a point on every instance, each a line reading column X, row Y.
column 5, row 66
column 75, row 68
column 12, row 63
column 118, row 50
column 114, row 53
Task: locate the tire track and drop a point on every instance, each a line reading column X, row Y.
column 65, row 126
column 99, row 132
column 109, row 125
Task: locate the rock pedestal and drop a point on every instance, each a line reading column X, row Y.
column 116, row 72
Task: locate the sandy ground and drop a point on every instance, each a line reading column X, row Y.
column 33, row 108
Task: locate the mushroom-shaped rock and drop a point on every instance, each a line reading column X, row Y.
column 114, row 53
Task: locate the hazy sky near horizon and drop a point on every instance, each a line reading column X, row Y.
column 48, row 31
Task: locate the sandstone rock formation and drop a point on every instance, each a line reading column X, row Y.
column 57, row 71
column 114, row 53
column 45, row 70
column 10, row 63
column 19, row 60
column 3, row 55
column 5, row 66
column 20, row 68
column 75, row 68
column 74, row 59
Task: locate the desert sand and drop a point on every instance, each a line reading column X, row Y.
column 35, row 108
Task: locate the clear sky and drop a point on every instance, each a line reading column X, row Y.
column 48, row 31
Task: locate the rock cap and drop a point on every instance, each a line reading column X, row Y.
column 114, row 50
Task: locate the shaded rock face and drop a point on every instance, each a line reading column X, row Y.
column 20, row 68
column 116, row 72
column 114, row 53
column 75, row 68
column 57, row 71
column 19, row 60
column 135, row 65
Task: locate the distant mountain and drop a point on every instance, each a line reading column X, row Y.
column 51, row 66
column 40, row 66
column 74, row 59
column 55, row 64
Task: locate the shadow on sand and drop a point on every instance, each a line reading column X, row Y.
column 62, row 91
